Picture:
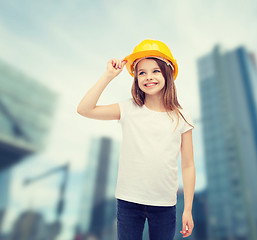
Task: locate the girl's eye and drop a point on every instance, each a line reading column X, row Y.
column 153, row 71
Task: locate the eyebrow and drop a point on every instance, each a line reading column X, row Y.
column 152, row 69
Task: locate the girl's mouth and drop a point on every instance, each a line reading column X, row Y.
column 150, row 85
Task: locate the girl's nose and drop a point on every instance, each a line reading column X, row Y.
column 149, row 76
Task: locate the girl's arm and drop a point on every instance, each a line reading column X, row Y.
column 87, row 106
column 188, row 174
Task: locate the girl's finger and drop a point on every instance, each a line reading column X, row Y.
column 119, row 64
column 113, row 63
column 124, row 62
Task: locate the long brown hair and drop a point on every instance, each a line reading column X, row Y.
column 169, row 92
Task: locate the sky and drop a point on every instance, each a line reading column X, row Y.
column 65, row 45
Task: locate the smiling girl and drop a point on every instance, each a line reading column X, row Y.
column 155, row 130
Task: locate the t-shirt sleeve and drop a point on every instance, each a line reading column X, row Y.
column 124, row 106
column 186, row 127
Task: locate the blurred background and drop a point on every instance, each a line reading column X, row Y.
column 58, row 169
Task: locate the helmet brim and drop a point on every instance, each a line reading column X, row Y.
column 134, row 56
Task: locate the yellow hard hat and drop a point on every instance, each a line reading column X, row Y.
column 151, row 48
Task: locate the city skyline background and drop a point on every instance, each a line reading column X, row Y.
column 66, row 45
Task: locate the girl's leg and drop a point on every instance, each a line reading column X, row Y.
column 130, row 220
column 161, row 222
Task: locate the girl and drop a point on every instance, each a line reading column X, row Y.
column 155, row 130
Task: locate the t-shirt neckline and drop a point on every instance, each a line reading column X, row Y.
column 152, row 110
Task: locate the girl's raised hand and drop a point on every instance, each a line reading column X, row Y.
column 115, row 66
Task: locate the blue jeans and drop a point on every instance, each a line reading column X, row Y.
column 131, row 220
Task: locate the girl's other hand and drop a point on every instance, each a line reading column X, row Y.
column 187, row 224
column 115, row 66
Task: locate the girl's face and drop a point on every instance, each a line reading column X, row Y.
column 150, row 73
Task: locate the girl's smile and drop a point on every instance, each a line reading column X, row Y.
column 151, row 84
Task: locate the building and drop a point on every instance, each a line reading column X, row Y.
column 30, row 225
column 97, row 215
column 228, row 106
column 26, row 114
column 4, row 196
column 4, row 186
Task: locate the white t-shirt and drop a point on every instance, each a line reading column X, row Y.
column 147, row 172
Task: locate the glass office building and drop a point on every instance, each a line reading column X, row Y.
column 97, row 215
column 228, row 108
column 26, row 114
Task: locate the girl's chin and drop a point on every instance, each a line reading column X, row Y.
column 152, row 93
